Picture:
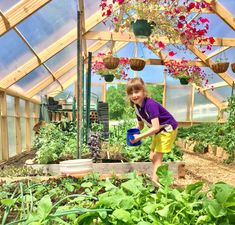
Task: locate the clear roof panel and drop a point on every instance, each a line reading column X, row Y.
column 13, row 54
column 50, row 89
column 217, row 27
column 49, row 23
column 32, row 79
column 69, row 74
column 6, row 4
column 91, row 7
column 63, row 57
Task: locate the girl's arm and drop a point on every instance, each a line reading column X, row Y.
column 154, row 129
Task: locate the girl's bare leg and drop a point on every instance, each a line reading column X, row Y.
column 156, row 158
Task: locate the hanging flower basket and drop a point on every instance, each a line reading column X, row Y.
column 184, row 80
column 220, row 67
column 137, row 64
column 109, row 77
column 233, row 67
column 142, row 28
column 111, row 62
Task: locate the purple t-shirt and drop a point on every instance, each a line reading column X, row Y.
column 151, row 109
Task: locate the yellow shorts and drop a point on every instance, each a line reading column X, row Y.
column 163, row 141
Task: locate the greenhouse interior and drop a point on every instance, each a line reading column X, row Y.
column 117, row 112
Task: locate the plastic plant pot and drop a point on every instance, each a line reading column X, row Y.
column 109, row 78
column 183, row 81
column 141, row 28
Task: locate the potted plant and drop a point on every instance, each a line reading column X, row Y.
column 154, row 19
column 221, row 65
column 98, row 67
column 179, row 69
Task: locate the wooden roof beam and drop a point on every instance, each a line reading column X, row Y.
column 19, row 12
column 130, row 37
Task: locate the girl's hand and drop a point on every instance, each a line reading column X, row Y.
column 137, row 138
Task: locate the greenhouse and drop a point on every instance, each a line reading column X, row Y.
column 117, row 112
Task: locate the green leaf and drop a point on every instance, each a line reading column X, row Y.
column 165, row 176
column 192, row 189
column 164, row 212
column 122, row 215
column 8, row 202
column 144, row 223
column 44, row 207
column 215, row 209
column 87, row 184
column 150, row 208
column 134, row 186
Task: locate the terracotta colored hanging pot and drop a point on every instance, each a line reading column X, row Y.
column 220, row 67
column 233, row 67
column 111, row 62
column 137, row 64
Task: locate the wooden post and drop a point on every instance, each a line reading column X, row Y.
column 27, row 119
column 4, row 126
column 104, row 92
column 164, row 91
column 17, row 126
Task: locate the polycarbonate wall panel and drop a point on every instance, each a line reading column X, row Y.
column 10, row 106
column 22, row 108
column 223, row 93
column 204, row 110
column 51, row 89
column 63, row 57
column 178, row 100
column 49, row 23
column 13, row 54
column 23, row 133
column 32, row 136
column 11, row 136
column 7, row 4
column 32, row 79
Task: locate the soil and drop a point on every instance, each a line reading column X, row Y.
column 199, row 167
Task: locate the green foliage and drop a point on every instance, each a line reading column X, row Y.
column 53, row 144
column 156, row 92
column 221, row 135
column 130, row 201
column 119, row 106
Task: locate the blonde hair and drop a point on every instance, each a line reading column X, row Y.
column 135, row 84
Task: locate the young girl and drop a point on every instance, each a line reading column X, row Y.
column 161, row 123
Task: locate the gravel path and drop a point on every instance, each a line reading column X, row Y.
column 207, row 168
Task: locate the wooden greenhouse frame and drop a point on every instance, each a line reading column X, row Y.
column 22, row 10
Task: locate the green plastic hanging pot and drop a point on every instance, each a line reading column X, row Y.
column 109, row 78
column 184, row 81
column 141, row 28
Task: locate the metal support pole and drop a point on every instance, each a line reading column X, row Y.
column 88, row 95
column 79, row 84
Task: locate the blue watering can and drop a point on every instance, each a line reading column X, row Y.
column 130, row 136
